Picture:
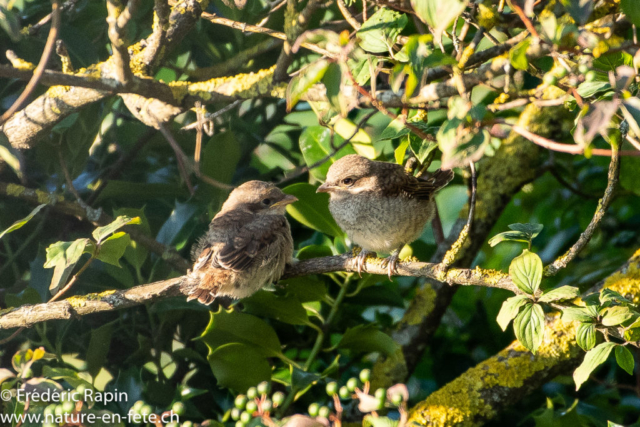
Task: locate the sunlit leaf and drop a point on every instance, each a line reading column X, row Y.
column 529, row 326
column 625, row 359
column 20, row 223
column 526, row 272
column 304, row 80
column 102, row 233
column 586, row 336
column 594, row 358
column 379, row 32
column 312, row 209
column 563, row 292
column 438, row 14
column 510, row 308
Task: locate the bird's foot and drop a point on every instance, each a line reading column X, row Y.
column 361, row 260
column 391, row 262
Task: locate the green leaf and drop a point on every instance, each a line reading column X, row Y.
column 518, row 55
column 238, row 366
column 421, row 147
column 531, row 230
column 594, row 358
column 316, row 145
column 371, row 421
column 508, row 236
column 526, row 272
column 305, row 289
column 112, row 249
column 64, row 256
column 287, row 309
column 332, row 81
column 607, row 295
column 312, row 209
column 571, row 314
column 101, row 233
column 588, row 89
column 400, row 152
column 616, row 315
column 397, row 128
column 625, row 359
column 631, row 8
column 301, row 379
column 98, row 348
column 20, row 223
column 438, row 14
column 529, row 326
column 580, row 10
column 234, row 327
column 563, row 292
column 586, row 336
column 304, row 80
column 368, row 338
column 510, row 308
column 136, row 254
column 378, row 34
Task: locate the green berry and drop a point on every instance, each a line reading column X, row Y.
column 266, row 405
column 68, row 407
column 172, row 424
column 550, row 79
column 344, row 393
column 278, row 398
column 179, row 408
column 58, row 411
column 240, row 402
column 352, row 384
column 146, row 410
column 381, row 393
column 324, row 412
column 264, row 388
column 591, row 76
column 80, row 390
column 314, row 409
column 245, row 417
column 365, row 375
column 235, row 414
column 252, row 393
column 397, row 399
column 240, row 424
column 49, row 411
column 583, row 68
column 560, row 72
column 187, row 424
column 251, row 407
column 332, row 388
column 137, row 406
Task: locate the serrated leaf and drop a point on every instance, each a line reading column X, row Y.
column 368, row 338
column 594, row 358
column 20, row 223
column 301, row 379
column 526, row 272
column 529, row 326
column 563, row 292
column 380, row 31
column 625, row 359
column 586, row 336
column 616, row 315
column 510, row 308
column 101, row 233
column 571, row 314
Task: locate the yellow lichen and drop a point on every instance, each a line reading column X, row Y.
column 627, row 281
column 467, row 400
column 15, row 190
column 389, row 370
column 423, row 304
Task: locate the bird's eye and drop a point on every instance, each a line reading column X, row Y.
column 347, row 181
column 266, row 202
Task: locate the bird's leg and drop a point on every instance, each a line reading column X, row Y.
column 361, row 259
column 391, row 262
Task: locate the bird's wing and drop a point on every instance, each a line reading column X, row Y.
column 425, row 188
column 241, row 251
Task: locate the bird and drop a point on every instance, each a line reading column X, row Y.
column 379, row 206
column 247, row 246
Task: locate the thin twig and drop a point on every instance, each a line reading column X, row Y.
column 44, row 59
column 612, row 179
column 180, row 156
column 347, row 15
column 117, row 19
column 554, row 172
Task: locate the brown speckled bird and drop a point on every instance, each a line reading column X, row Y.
column 379, row 205
column 247, row 246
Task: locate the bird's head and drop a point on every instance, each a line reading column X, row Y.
column 259, row 197
column 352, row 174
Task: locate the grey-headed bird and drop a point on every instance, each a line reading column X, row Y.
column 247, row 246
column 379, row 205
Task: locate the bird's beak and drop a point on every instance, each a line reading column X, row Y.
column 325, row 188
column 287, row 200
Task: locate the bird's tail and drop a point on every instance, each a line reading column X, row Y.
column 205, row 285
column 439, row 178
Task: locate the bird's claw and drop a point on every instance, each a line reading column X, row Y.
column 361, row 260
column 391, row 262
